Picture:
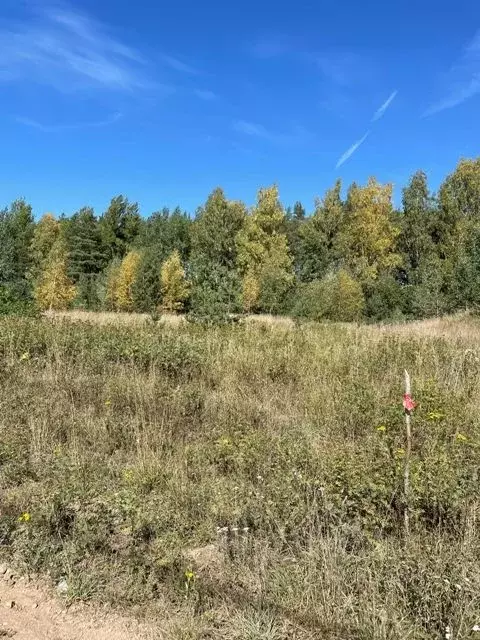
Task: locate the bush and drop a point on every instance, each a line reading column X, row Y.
column 17, row 302
column 336, row 297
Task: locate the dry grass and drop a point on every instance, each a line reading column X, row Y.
column 106, row 318
column 245, row 482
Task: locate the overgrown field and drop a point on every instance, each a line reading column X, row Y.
column 246, row 482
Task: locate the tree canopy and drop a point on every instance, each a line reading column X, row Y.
column 356, row 255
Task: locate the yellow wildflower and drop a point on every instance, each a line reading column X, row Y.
column 381, row 428
column 435, row 415
column 25, row 517
column 128, row 475
column 459, row 437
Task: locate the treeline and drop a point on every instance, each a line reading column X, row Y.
column 350, row 259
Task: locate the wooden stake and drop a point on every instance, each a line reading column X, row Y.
column 408, row 453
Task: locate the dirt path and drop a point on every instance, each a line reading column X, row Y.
column 29, row 612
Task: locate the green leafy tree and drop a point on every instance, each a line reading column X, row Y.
column 415, row 240
column 337, row 296
column 215, row 281
column 318, row 246
column 459, row 214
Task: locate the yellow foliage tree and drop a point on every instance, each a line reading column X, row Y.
column 263, row 255
column 122, row 282
column 368, row 235
column 175, row 287
column 250, row 292
column 111, row 284
column 47, row 232
column 54, row 289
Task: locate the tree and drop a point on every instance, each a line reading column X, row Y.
column 263, row 250
column 215, row 229
column 119, row 226
column 111, row 276
column 318, row 244
column 45, row 235
column 459, row 215
column 146, row 289
column 54, row 289
column 86, row 256
column 298, row 211
column 8, row 269
column 165, row 231
column 22, row 230
column 175, row 288
column 368, row 235
column 294, row 223
column 215, row 282
column 124, row 281
column 161, row 234
column 415, row 239
column 250, row 292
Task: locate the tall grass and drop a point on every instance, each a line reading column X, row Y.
column 246, row 481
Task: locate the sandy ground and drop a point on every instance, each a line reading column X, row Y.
column 29, row 612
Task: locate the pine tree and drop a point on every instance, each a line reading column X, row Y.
column 164, row 231
column 146, row 289
column 119, row 226
column 294, row 223
column 8, row 268
column 54, row 289
column 123, row 293
column 22, row 229
column 86, row 257
column 175, row 288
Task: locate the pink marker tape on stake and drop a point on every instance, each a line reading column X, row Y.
column 408, row 404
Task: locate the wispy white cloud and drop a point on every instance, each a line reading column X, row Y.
column 69, row 50
column 56, row 128
column 381, row 110
column 463, row 79
column 250, row 129
column 178, row 65
column 269, row 46
column 351, row 150
column 297, row 135
column 343, row 68
column 205, row 94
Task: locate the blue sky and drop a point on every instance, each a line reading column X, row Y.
column 164, row 101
